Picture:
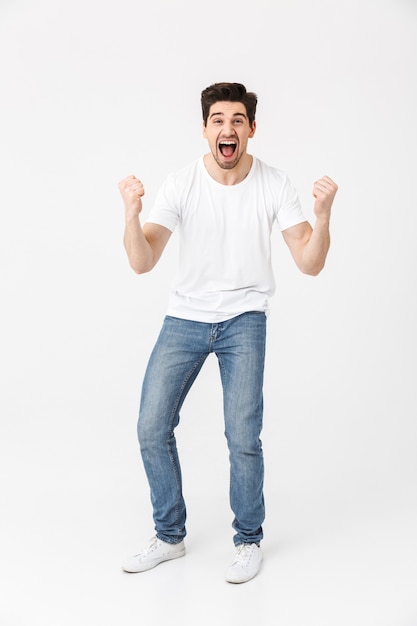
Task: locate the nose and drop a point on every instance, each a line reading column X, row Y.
column 228, row 130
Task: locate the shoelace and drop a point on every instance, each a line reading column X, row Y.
column 149, row 548
column 243, row 554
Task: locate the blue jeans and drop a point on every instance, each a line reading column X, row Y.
column 176, row 360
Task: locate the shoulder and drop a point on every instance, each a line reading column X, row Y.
column 279, row 191
column 274, row 181
column 270, row 172
column 185, row 174
column 178, row 185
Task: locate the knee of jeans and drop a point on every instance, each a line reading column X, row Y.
column 146, row 431
column 150, row 433
column 240, row 443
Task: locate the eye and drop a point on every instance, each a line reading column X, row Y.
column 238, row 121
column 218, row 121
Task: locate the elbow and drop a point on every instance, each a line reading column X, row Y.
column 313, row 266
column 140, row 269
column 312, row 270
column 141, row 265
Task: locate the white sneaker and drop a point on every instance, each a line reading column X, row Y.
column 154, row 553
column 246, row 564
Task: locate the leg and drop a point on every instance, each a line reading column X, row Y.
column 173, row 367
column 241, row 355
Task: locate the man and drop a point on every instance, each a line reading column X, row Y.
column 224, row 204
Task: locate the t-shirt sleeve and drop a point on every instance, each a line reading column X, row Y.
column 289, row 210
column 165, row 210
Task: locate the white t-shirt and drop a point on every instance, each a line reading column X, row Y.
column 225, row 238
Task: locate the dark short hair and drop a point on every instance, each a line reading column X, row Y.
column 228, row 92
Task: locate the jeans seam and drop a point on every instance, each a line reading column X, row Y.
column 222, row 368
column 173, row 413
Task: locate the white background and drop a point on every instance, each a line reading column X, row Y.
column 93, row 91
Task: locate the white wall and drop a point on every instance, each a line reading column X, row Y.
column 92, row 91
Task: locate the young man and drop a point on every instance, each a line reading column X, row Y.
column 224, row 204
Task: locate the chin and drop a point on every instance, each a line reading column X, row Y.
column 227, row 165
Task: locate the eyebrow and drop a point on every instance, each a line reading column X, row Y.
column 234, row 114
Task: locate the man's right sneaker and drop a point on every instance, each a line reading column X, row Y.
column 154, row 553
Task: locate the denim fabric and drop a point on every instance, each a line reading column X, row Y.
column 177, row 358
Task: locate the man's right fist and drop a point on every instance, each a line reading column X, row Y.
column 131, row 190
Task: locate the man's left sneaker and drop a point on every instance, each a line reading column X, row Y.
column 246, row 564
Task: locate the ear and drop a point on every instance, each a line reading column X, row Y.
column 252, row 130
column 204, row 130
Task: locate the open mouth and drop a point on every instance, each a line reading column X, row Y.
column 227, row 148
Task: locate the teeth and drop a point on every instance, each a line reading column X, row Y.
column 228, row 143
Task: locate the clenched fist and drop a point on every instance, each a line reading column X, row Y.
column 324, row 191
column 131, row 190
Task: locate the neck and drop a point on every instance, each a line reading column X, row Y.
column 228, row 177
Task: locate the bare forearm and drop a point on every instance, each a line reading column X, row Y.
column 138, row 249
column 315, row 251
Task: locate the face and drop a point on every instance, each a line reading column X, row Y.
column 227, row 131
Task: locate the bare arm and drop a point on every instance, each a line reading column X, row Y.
column 143, row 246
column 309, row 246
